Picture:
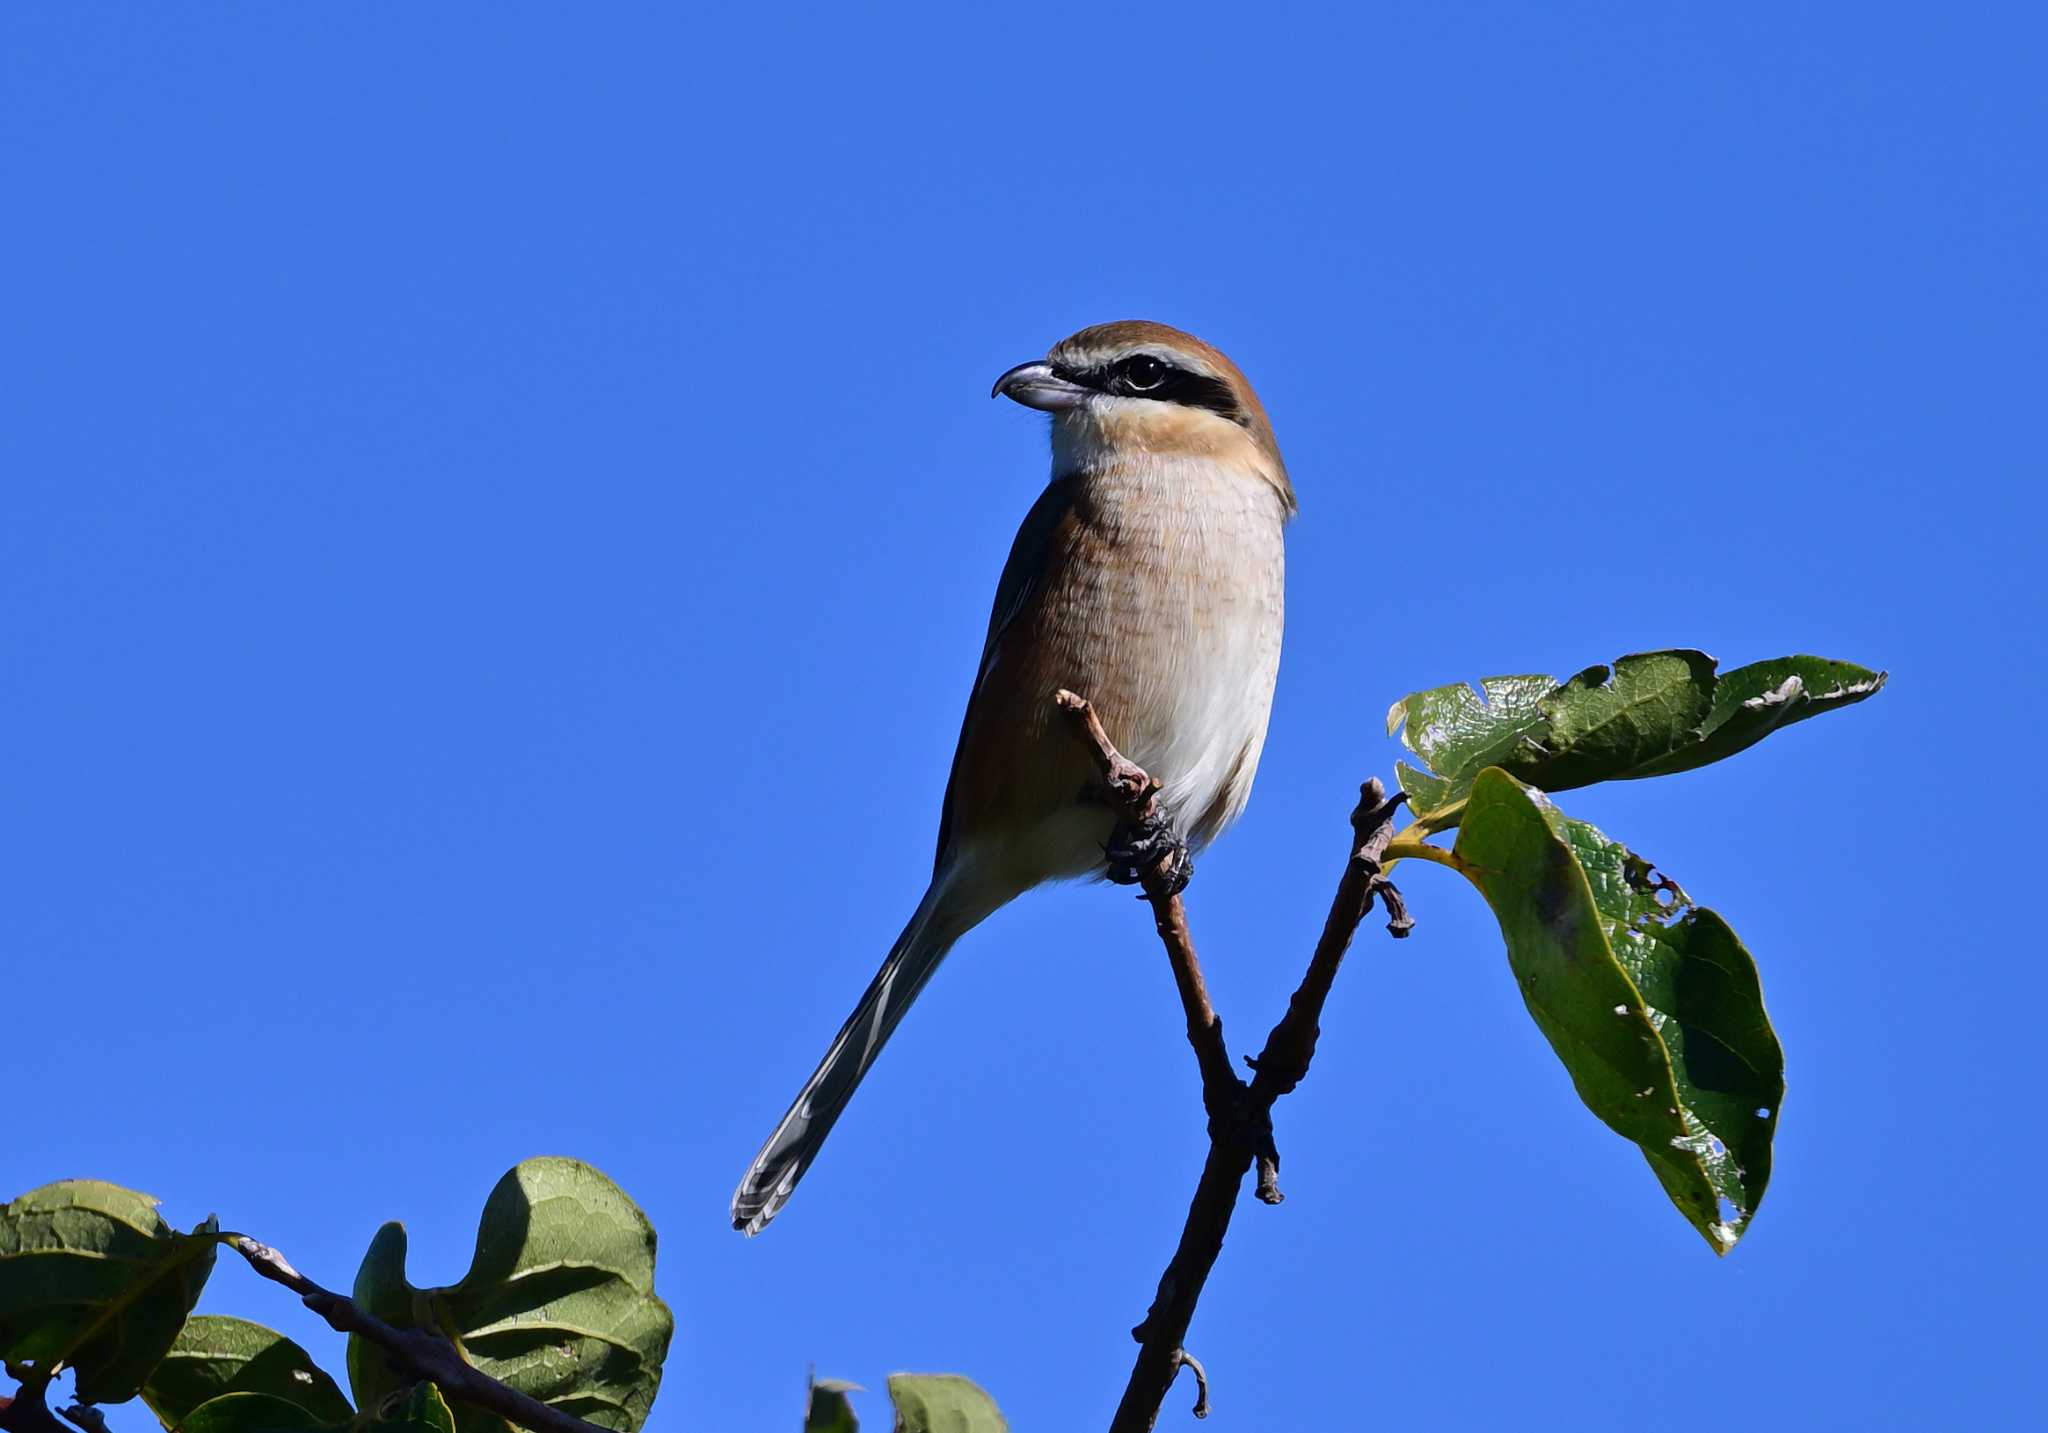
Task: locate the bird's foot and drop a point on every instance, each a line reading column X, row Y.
column 1134, row 850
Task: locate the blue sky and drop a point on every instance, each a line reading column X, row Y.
column 499, row 510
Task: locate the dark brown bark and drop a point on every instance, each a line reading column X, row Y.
column 1240, row 1113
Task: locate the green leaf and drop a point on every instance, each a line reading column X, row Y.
column 828, row 1410
column 215, row 1355
column 92, row 1277
column 421, row 1409
column 1652, row 1003
column 942, row 1403
column 1752, row 702
column 558, row 1303
column 1606, row 723
column 1651, row 714
column 249, row 1413
column 1461, row 730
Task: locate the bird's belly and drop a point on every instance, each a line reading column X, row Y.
column 1195, row 715
column 1170, row 624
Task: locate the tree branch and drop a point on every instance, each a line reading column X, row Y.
column 1240, row 1114
column 26, row 1412
column 424, row 1356
column 1292, row 1043
column 1134, row 795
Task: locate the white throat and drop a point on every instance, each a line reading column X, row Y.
column 1111, row 435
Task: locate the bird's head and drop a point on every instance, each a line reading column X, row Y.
column 1119, row 391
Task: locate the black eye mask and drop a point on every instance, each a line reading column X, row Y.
column 1149, row 376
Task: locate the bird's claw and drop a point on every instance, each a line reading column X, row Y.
column 1134, row 850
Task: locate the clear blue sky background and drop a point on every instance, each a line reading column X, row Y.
column 500, row 508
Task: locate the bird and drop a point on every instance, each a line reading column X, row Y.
column 1148, row 578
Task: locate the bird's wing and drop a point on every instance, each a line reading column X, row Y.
column 1021, row 579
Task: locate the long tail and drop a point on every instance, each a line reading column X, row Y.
column 770, row 1179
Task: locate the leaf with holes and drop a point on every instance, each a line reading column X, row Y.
column 91, row 1276
column 558, row 1303
column 1650, row 714
column 215, row 1355
column 1651, row 1002
column 1752, row 702
column 942, row 1403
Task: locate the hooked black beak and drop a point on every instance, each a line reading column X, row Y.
column 1035, row 385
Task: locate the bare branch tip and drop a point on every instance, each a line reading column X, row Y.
column 1399, row 922
column 1268, row 1189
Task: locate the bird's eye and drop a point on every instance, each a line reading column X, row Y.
column 1142, row 374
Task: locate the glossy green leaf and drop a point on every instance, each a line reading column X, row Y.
column 1651, row 1002
column 1752, row 702
column 828, row 1409
column 249, row 1413
column 215, row 1355
column 1650, row 714
column 558, row 1303
column 942, row 1403
column 90, row 1275
column 1459, row 731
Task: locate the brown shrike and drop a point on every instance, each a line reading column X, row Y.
column 1147, row 577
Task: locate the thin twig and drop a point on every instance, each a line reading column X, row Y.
column 422, row 1355
column 1194, row 1365
column 1133, row 795
column 1240, row 1114
column 1292, row 1043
